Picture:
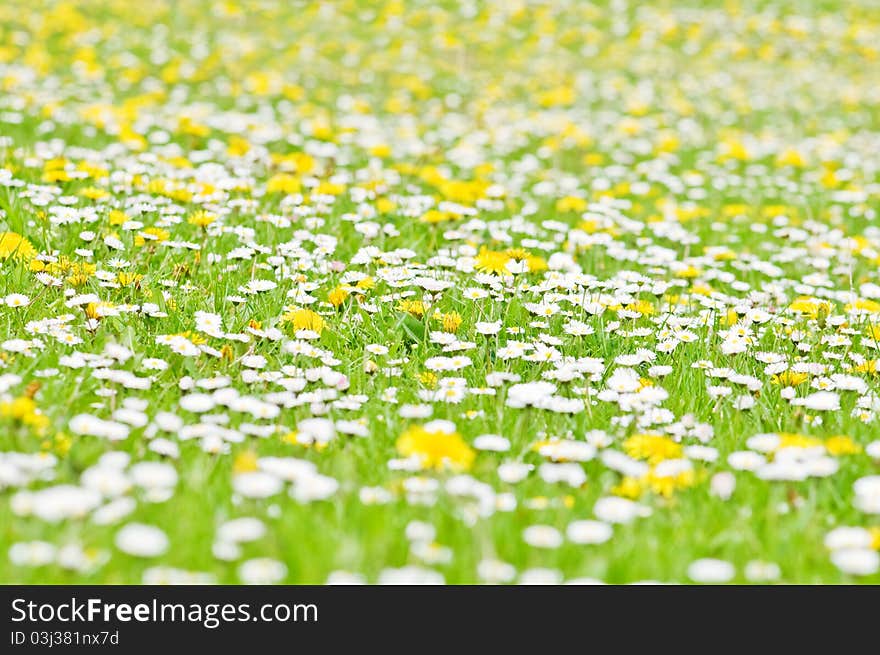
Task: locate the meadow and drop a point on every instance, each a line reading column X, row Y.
column 439, row 292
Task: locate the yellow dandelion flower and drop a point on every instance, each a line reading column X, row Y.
column 326, row 188
column 436, row 449
column 869, row 367
column 283, row 183
column 644, row 307
column 451, row 321
column 688, row 272
column 794, row 440
column 338, row 296
column 791, row 157
column 60, row 444
column 433, row 216
column 304, row 319
column 117, row 217
column 702, row 289
column 875, row 536
column 25, row 411
column 194, row 337
column 16, row 246
column 129, row 279
column 571, row 204
column 871, row 306
column 77, row 279
column 94, row 193
column 385, row 206
column 652, row 447
column 629, row 487
column 730, row 318
column 201, row 219
column 245, row 462
column 842, row 445
column 238, row 146
column 536, row 264
column 492, row 261
column 151, row 235
column 428, row 379
column 810, row 307
column 789, row 378
column 413, row 307
column 17, row 408
column 666, row 485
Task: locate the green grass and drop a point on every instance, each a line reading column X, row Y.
column 689, row 116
